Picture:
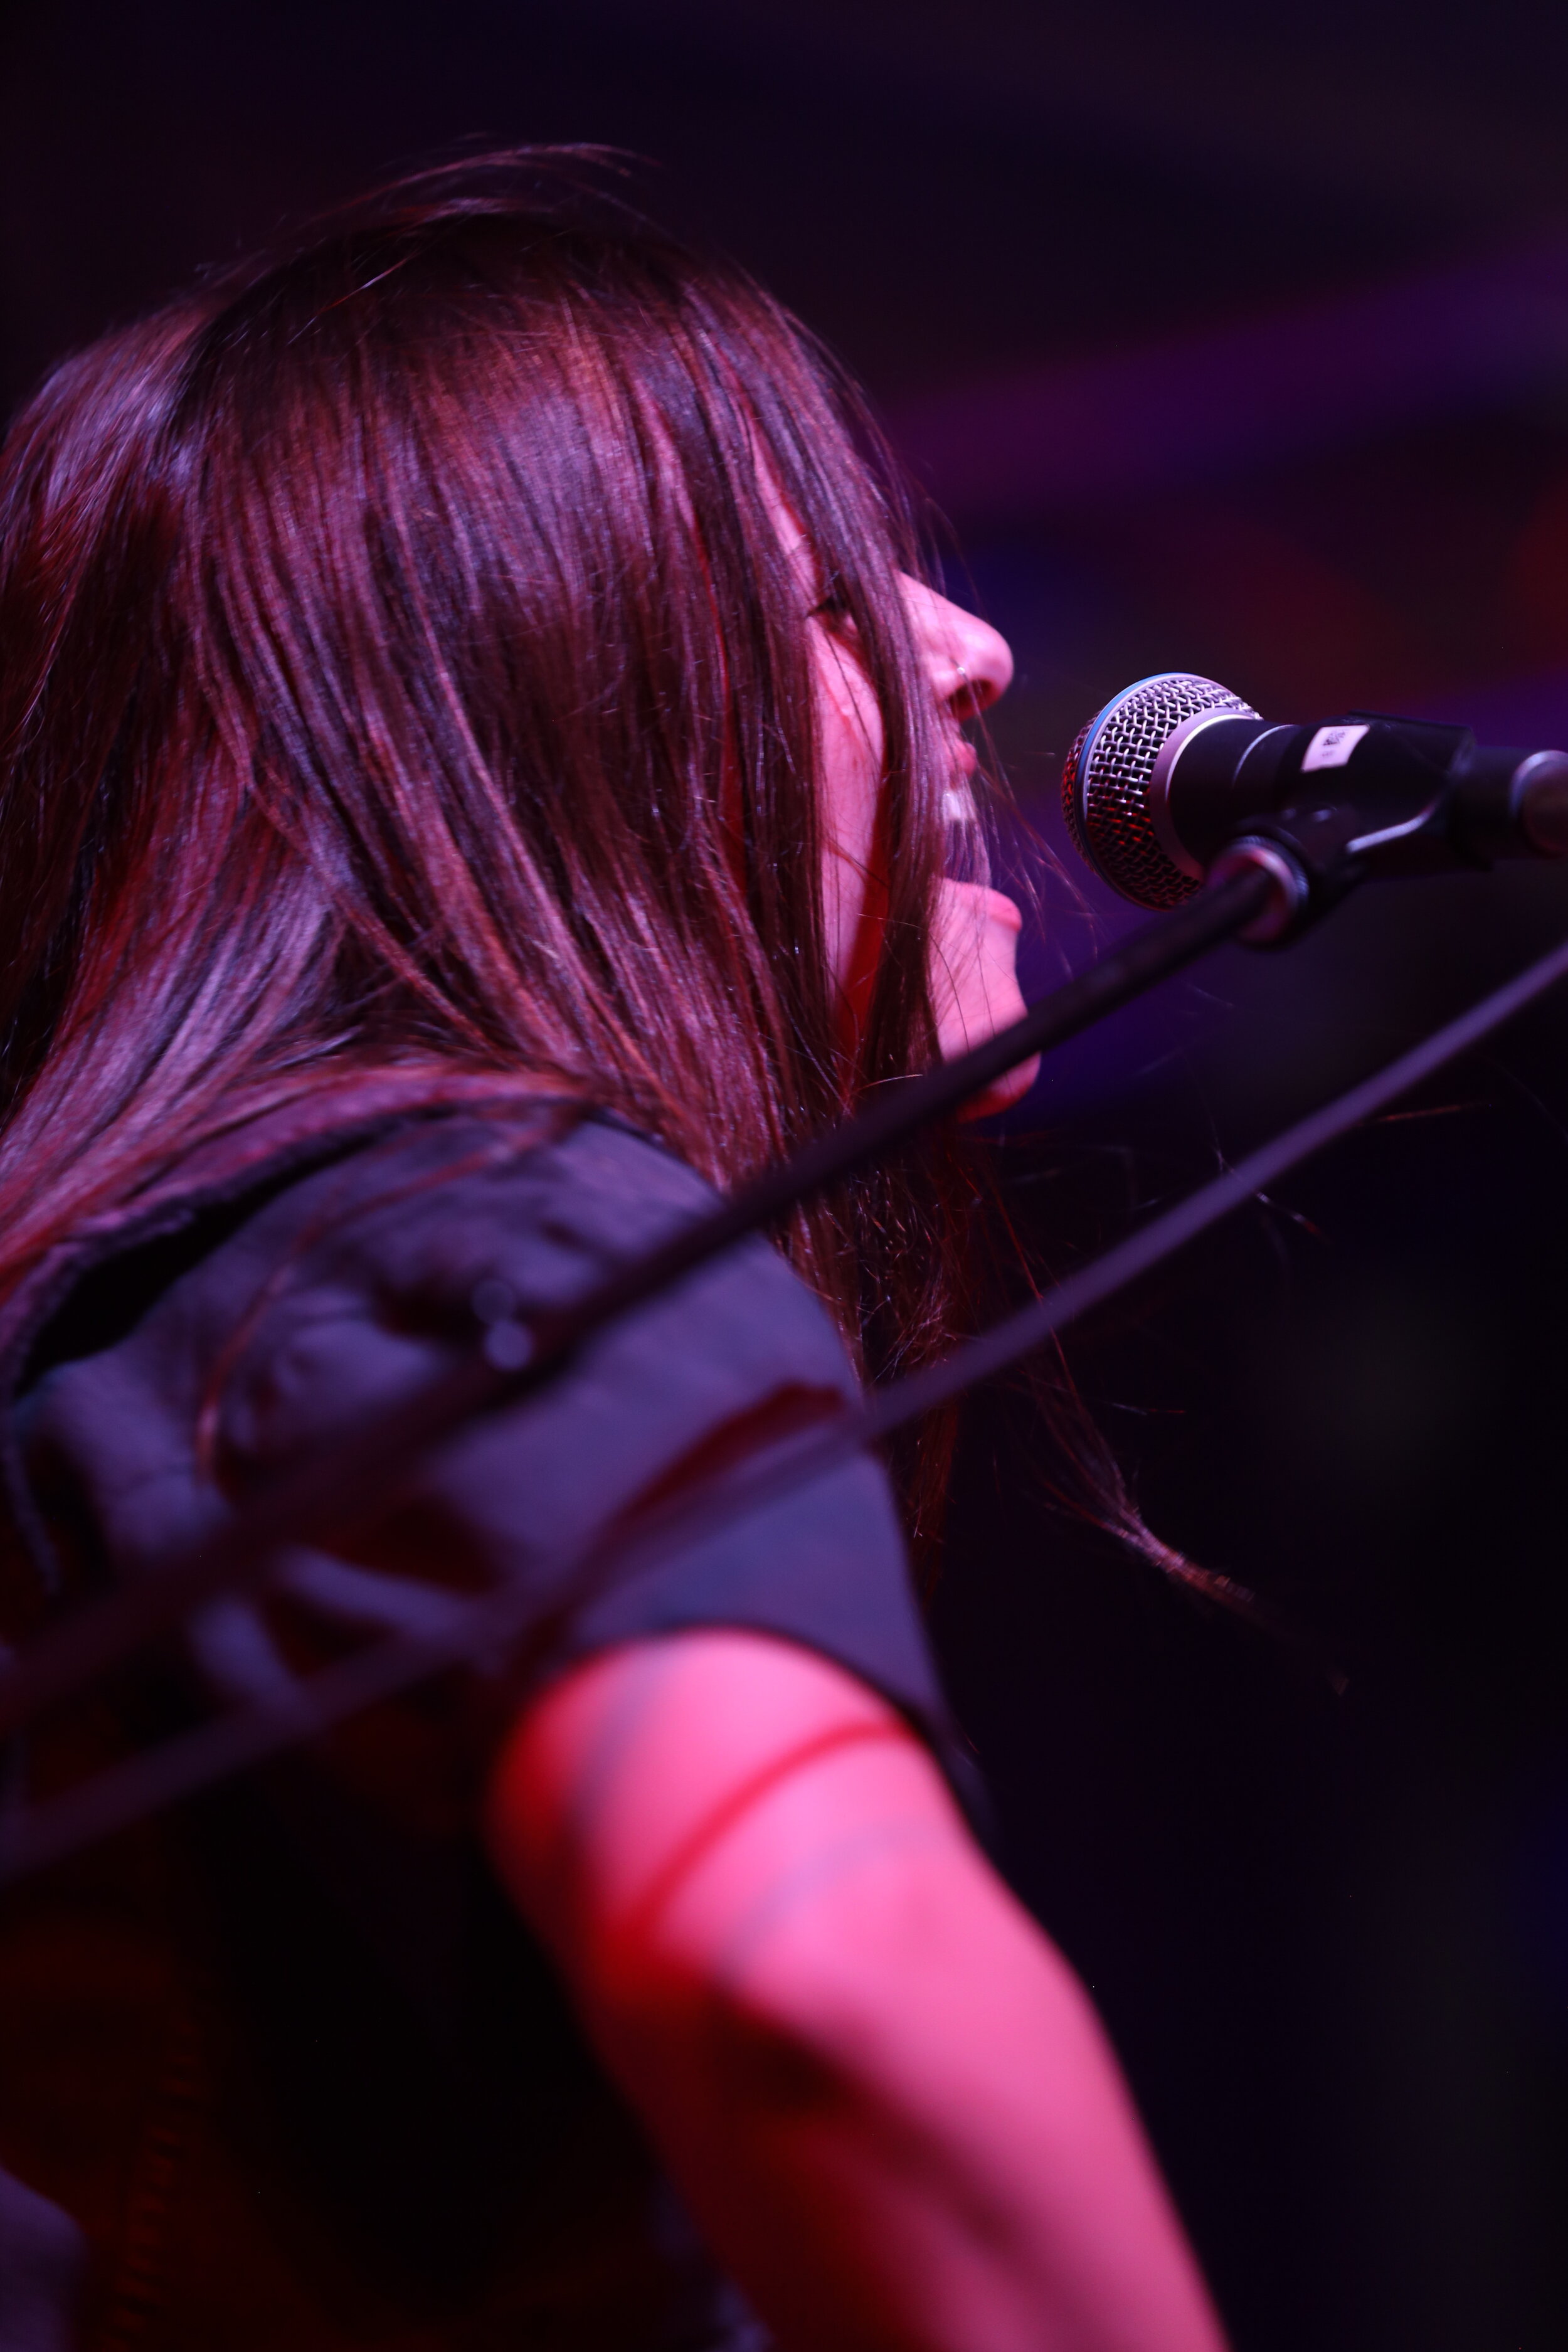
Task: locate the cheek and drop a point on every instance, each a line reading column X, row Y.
column 849, row 729
column 850, row 739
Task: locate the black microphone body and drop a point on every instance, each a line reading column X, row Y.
column 1175, row 772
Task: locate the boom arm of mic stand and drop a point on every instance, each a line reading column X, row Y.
column 360, row 1474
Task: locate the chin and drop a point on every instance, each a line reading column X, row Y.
column 1006, row 1092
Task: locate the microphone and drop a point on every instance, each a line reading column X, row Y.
column 1176, row 775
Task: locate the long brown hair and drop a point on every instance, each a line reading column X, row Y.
column 400, row 665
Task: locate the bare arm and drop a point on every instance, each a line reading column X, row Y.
column 883, row 2092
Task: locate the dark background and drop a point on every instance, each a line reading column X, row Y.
column 1237, row 339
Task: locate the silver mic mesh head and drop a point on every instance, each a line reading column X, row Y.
column 1105, row 784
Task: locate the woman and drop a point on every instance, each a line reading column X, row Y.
column 480, row 769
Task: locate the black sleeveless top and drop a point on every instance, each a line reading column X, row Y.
column 282, row 2066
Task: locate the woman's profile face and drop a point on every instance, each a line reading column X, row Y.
column 967, row 665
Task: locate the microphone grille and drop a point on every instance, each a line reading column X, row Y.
column 1105, row 783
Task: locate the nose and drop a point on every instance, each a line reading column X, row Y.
column 969, row 663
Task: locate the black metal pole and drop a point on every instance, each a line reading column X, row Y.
column 125, row 1792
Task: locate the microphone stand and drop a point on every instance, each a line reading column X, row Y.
column 1267, row 884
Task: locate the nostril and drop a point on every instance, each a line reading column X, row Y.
column 966, row 696
column 969, row 687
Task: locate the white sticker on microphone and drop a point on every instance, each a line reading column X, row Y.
column 1330, row 747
